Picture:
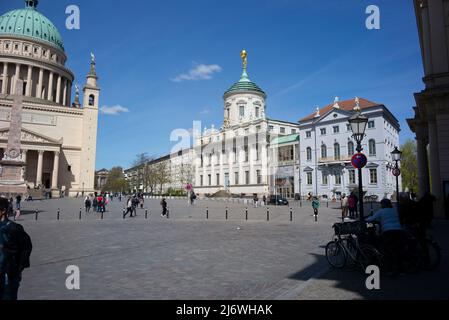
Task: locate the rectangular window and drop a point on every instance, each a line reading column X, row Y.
column 351, row 176
column 247, row 177
column 338, row 179
column 373, row 176
column 259, row 177
column 308, row 134
column 309, row 178
column 209, row 179
column 271, row 128
column 282, row 130
column 234, row 149
column 371, row 124
column 336, row 129
column 348, row 127
column 293, row 131
column 323, row 131
column 325, row 178
column 257, row 112
column 218, row 179
column 242, row 111
column 201, row 180
column 236, row 178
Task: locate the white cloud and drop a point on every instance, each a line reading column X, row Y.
column 200, row 72
column 114, row 110
column 205, row 111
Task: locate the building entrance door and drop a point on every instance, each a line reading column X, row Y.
column 226, row 181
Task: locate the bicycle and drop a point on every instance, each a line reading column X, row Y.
column 346, row 248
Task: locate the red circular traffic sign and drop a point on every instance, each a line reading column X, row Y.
column 396, row 172
column 359, row 160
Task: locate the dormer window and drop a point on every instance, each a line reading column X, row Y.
column 257, row 112
column 242, row 111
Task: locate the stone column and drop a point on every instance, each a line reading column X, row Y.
column 423, row 161
column 50, row 87
column 24, row 159
column 58, row 90
column 435, row 166
column 16, row 77
column 5, row 78
column 64, row 94
column 54, row 178
column 39, row 85
column 40, row 161
column 28, row 88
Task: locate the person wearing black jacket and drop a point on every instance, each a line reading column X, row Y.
column 15, row 251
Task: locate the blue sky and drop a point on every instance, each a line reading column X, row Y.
column 303, row 53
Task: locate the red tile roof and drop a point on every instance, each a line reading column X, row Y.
column 346, row 105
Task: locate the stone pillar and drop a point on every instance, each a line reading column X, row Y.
column 16, row 77
column 435, row 166
column 423, row 162
column 28, row 88
column 58, row 90
column 24, row 159
column 39, row 85
column 5, row 78
column 54, row 177
column 64, row 94
column 40, row 161
column 50, row 87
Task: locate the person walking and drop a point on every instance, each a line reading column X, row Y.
column 264, row 199
column 352, row 206
column 315, row 206
column 129, row 208
column 164, row 208
column 344, row 207
column 15, row 251
column 18, row 201
column 94, row 203
column 255, row 200
column 192, row 198
column 87, row 204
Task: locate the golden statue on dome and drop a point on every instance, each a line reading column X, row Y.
column 244, row 56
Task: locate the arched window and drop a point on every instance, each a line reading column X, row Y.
column 309, row 154
column 337, row 151
column 372, row 147
column 323, row 151
column 91, row 100
column 350, row 148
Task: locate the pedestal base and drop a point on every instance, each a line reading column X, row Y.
column 11, row 178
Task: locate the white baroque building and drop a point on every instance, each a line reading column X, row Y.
column 234, row 159
column 326, row 149
column 58, row 138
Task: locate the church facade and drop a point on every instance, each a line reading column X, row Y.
column 58, row 137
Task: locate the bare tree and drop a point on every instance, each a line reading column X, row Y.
column 162, row 174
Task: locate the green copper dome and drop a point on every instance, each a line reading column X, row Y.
column 29, row 23
column 245, row 85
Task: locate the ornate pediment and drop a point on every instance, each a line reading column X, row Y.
column 30, row 137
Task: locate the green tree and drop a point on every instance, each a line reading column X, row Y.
column 116, row 181
column 409, row 166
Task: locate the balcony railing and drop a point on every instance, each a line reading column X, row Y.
column 335, row 159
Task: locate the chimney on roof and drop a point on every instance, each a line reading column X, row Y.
column 336, row 105
column 317, row 114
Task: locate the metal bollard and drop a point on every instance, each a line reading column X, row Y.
column 246, row 211
column 146, row 214
column 168, row 214
column 80, row 213
column 300, row 203
column 124, row 213
column 36, row 215
column 207, row 212
column 102, row 214
column 291, row 214
column 327, row 203
column 226, row 213
column 268, row 214
column 58, row 214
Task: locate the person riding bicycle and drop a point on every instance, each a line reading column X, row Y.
column 393, row 237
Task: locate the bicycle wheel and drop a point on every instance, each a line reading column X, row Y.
column 351, row 252
column 369, row 256
column 335, row 254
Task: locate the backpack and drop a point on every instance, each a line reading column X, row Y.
column 15, row 249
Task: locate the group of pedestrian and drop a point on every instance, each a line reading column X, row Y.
column 97, row 202
column 349, row 206
column 132, row 204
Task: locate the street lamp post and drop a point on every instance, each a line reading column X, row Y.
column 358, row 124
column 396, row 156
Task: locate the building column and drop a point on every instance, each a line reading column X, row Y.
column 24, row 159
column 39, row 85
column 435, row 165
column 50, row 87
column 64, row 94
column 5, row 78
column 28, row 87
column 423, row 162
column 58, row 89
column 16, row 76
column 40, row 161
column 54, row 177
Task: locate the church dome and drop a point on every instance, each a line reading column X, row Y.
column 244, row 84
column 29, row 23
